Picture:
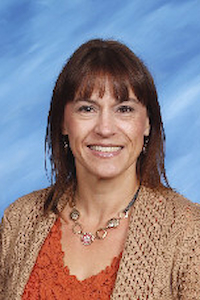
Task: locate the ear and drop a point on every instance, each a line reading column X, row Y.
column 64, row 125
column 147, row 127
column 64, row 130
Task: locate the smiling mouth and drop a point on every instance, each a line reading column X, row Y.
column 105, row 149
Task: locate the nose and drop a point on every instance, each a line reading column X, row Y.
column 105, row 124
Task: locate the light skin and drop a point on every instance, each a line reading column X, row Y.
column 106, row 138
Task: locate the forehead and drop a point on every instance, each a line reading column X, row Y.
column 105, row 84
column 108, row 93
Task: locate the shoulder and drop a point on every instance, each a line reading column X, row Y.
column 24, row 210
column 176, row 220
column 173, row 209
column 180, row 213
column 21, row 218
column 32, row 202
column 180, row 205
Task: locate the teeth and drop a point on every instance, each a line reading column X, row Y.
column 105, row 149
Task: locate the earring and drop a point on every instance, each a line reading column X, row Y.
column 65, row 141
column 146, row 141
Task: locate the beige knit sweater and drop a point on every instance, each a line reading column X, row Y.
column 161, row 259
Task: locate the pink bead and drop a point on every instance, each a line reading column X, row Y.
column 87, row 238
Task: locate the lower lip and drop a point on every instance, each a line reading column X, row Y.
column 105, row 154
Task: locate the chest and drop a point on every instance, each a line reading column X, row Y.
column 86, row 261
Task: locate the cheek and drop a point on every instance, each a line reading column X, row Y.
column 135, row 131
column 70, row 124
column 77, row 134
column 142, row 126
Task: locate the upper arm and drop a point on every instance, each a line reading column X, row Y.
column 8, row 234
column 3, row 250
column 189, row 262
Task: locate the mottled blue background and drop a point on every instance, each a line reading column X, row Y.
column 37, row 36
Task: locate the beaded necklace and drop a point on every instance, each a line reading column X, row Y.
column 87, row 238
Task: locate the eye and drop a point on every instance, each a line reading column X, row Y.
column 125, row 109
column 86, row 109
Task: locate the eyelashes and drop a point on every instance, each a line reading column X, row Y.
column 124, row 109
column 86, row 109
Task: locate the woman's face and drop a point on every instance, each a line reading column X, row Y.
column 106, row 137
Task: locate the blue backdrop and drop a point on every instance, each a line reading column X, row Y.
column 37, row 36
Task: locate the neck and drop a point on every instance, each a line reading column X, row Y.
column 104, row 198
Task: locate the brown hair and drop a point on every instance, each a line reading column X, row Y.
column 87, row 69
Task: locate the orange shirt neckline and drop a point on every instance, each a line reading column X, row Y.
column 115, row 261
column 51, row 279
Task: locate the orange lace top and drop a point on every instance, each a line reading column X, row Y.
column 49, row 278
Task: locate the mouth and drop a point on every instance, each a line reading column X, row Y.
column 108, row 149
column 105, row 151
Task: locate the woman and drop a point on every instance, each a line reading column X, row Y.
column 110, row 226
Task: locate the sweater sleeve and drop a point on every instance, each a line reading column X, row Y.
column 15, row 218
column 1, row 262
column 189, row 260
column 4, row 248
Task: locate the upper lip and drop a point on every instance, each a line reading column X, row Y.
column 105, row 145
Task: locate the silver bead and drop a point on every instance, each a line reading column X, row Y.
column 113, row 223
column 74, row 215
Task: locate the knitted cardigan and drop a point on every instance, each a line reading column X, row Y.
column 161, row 257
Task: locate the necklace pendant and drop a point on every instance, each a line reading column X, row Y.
column 87, row 238
column 74, row 215
column 113, row 223
column 123, row 214
column 101, row 233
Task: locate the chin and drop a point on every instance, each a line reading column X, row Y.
column 106, row 174
column 106, row 177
